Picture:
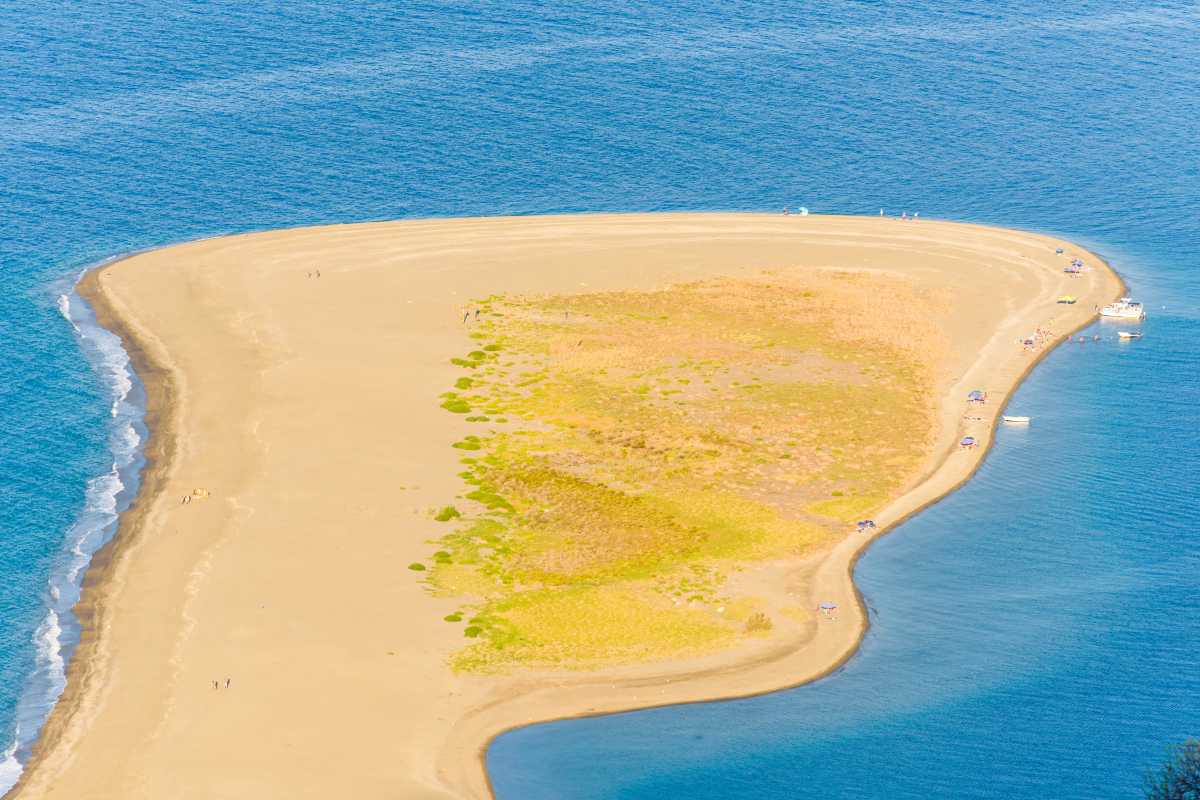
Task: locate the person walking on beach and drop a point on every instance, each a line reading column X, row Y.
column 227, row 682
column 466, row 316
column 216, row 684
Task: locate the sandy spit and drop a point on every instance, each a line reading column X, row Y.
column 305, row 408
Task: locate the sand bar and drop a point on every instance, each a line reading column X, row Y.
column 300, row 405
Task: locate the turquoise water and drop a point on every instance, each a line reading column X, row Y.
column 1034, row 636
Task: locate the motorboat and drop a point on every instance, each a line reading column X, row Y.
column 1013, row 420
column 1129, row 334
column 1125, row 308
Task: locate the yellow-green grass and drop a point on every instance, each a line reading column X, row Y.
column 640, row 446
column 585, row 626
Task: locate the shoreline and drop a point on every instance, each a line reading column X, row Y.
column 993, row 421
column 844, row 557
column 159, row 418
column 107, row 494
column 461, row 763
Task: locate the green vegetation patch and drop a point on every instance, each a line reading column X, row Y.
column 447, row 513
column 657, row 441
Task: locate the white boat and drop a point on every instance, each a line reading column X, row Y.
column 1016, row 420
column 1129, row 334
column 1125, row 308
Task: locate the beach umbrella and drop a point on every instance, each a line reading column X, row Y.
column 967, row 441
column 975, row 395
column 828, row 606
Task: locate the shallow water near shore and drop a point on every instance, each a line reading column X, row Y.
column 1030, row 634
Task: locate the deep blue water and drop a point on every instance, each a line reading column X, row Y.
column 1034, row 635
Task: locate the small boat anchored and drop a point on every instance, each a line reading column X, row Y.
column 1015, row 420
column 1129, row 334
column 1125, row 308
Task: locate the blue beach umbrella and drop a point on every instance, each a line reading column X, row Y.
column 975, row 394
column 828, row 606
column 967, row 441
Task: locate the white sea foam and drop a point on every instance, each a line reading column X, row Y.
column 113, row 365
column 10, row 767
column 103, row 348
column 128, row 438
column 100, row 511
column 49, row 679
column 102, row 492
column 48, row 638
column 64, row 308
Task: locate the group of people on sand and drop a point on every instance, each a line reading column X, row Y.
column 195, row 494
column 228, row 683
column 467, row 315
column 1039, row 337
column 904, row 216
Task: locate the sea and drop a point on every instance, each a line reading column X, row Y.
column 1034, row 635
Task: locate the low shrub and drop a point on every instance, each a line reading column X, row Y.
column 758, row 623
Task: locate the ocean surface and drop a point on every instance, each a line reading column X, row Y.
column 1033, row 636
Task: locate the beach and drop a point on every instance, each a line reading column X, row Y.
column 253, row 631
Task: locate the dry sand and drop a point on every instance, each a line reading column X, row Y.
column 304, row 404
